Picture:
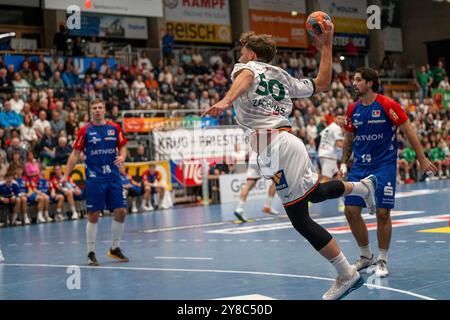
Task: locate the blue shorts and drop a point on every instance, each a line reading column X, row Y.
column 135, row 191
column 385, row 193
column 32, row 198
column 104, row 194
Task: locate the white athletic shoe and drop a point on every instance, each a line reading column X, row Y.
column 2, row 258
column 27, row 220
column 364, row 262
column 40, row 218
column 381, row 269
column 134, row 209
column 147, row 208
column 239, row 213
column 270, row 210
column 371, row 183
column 59, row 217
column 342, row 287
column 75, row 216
column 47, row 217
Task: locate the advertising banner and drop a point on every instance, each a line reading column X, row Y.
column 231, row 185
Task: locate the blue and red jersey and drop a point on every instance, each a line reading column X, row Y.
column 100, row 145
column 375, row 128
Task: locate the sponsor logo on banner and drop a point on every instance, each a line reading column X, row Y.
column 230, row 186
column 188, row 173
column 199, row 20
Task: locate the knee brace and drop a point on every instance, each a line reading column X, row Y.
column 327, row 190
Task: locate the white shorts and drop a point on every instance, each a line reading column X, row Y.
column 329, row 167
column 286, row 161
column 253, row 171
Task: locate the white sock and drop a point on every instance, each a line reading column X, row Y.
column 91, row 235
column 382, row 254
column 359, row 189
column 73, row 209
column 269, row 202
column 58, row 211
column 366, row 252
column 40, row 214
column 240, row 204
column 117, row 231
column 406, row 175
column 343, row 268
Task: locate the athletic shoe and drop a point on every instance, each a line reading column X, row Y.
column 59, row 217
column 75, row 216
column 371, row 183
column 92, row 260
column 40, row 218
column 27, row 220
column 147, row 208
column 117, row 254
column 381, row 269
column 364, row 262
column 2, row 258
column 341, row 287
column 239, row 213
column 269, row 210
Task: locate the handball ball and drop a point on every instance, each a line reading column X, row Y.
column 312, row 23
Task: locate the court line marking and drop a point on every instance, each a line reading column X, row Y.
column 410, row 293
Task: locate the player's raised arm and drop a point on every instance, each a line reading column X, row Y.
column 323, row 79
column 242, row 82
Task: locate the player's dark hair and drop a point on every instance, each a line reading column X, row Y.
column 369, row 74
column 262, row 44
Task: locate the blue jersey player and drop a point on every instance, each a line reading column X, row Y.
column 104, row 145
column 371, row 128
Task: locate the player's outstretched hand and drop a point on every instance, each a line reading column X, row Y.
column 120, row 161
column 428, row 167
column 216, row 110
column 326, row 37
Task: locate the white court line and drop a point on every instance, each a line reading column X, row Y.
column 439, row 241
column 410, row 293
column 401, row 241
column 184, row 258
column 421, row 241
column 288, row 225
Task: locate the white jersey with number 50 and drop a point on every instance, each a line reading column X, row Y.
column 267, row 103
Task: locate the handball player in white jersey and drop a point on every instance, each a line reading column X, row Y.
column 330, row 151
column 261, row 95
column 253, row 175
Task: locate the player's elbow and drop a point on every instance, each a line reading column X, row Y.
column 322, row 85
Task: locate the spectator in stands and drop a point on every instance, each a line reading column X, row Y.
column 94, row 48
column 168, row 41
column 137, row 85
column 5, row 85
column 62, row 151
column 151, row 83
column 21, row 85
column 69, row 189
column 131, row 188
column 192, row 103
column 57, row 124
column 424, row 81
column 47, row 146
column 92, row 70
column 9, row 193
column 70, row 77
column 444, row 84
column 26, row 73
column 31, row 165
column 16, row 103
column 144, row 59
column 84, row 120
column 56, row 82
column 140, row 155
column 143, row 100
column 204, row 102
column 38, row 82
column 28, row 133
column 311, row 129
column 297, row 120
column 438, row 74
column 42, row 123
column 4, row 165
column 8, row 118
column 60, row 39
column 16, row 146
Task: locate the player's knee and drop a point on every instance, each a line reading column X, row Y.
column 351, row 214
column 316, row 235
column 383, row 216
